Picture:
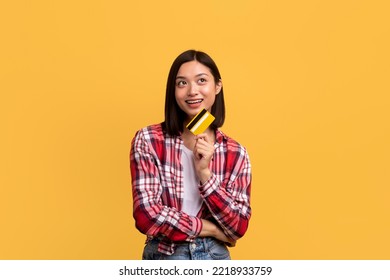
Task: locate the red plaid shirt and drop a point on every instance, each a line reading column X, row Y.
column 157, row 182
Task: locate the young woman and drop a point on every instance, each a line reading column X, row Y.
column 191, row 194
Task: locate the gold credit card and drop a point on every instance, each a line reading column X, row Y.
column 200, row 122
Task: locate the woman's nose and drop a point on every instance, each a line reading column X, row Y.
column 193, row 90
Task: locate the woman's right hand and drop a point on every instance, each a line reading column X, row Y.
column 210, row 229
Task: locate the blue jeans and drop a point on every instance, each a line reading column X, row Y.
column 206, row 248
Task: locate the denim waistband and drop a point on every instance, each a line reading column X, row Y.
column 200, row 248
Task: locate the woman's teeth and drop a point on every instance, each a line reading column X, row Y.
column 194, row 101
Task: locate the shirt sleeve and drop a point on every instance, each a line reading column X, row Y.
column 229, row 201
column 151, row 216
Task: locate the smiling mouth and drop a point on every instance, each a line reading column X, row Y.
column 194, row 101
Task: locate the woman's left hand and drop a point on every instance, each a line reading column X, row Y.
column 203, row 151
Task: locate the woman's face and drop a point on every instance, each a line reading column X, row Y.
column 195, row 88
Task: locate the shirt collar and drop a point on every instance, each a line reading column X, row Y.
column 219, row 136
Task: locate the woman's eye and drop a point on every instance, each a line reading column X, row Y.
column 202, row 80
column 181, row 83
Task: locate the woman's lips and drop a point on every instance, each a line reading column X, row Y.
column 194, row 103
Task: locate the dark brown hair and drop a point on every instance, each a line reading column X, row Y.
column 174, row 116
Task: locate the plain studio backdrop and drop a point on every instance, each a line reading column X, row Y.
column 307, row 93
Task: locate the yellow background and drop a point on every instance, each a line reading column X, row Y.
column 307, row 92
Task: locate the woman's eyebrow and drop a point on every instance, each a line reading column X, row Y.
column 201, row 74
column 198, row 75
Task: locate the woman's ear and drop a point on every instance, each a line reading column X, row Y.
column 218, row 86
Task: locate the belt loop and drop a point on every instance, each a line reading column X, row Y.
column 205, row 245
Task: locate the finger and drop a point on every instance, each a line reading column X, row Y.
column 201, row 143
column 198, row 152
column 201, row 154
column 204, row 149
column 204, row 143
column 203, row 136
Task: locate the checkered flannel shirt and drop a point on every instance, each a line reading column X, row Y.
column 157, row 186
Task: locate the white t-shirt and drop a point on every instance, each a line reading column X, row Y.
column 192, row 199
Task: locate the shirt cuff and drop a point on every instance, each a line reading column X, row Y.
column 209, row 186
column 197, row 226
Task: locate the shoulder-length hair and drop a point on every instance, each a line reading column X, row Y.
column 174, row 116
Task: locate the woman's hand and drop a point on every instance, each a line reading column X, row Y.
column 210, row 229
column 203, row 153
